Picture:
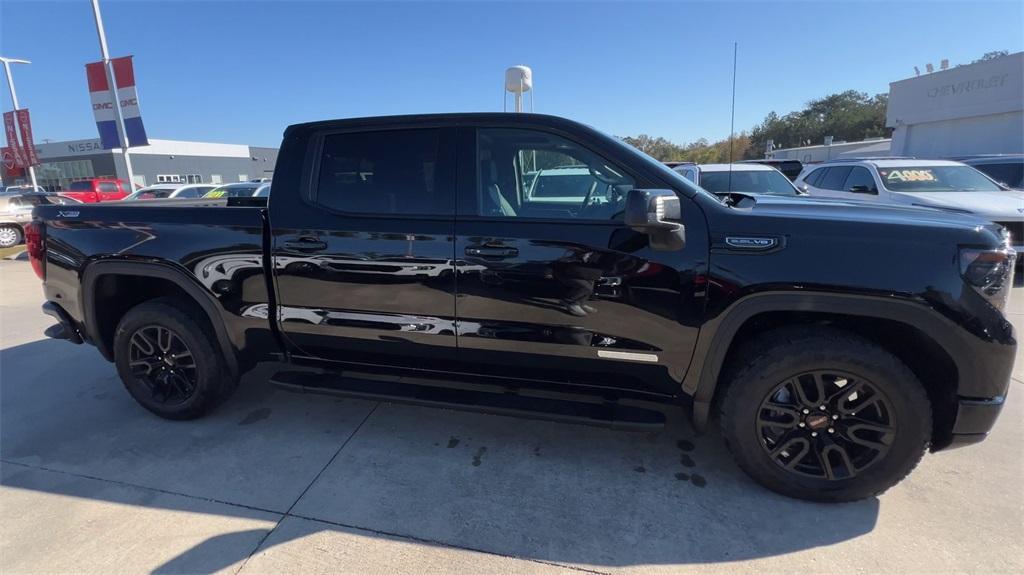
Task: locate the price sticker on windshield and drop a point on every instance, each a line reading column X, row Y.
column 908, row 176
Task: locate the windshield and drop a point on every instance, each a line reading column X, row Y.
column 28, row 201
column 559, row 185
column 752, row 182
column 936, row 179
column 232, row 191
column 153, row 194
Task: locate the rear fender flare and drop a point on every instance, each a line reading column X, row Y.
column 94, row 271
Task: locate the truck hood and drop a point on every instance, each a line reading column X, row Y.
column 862, row 211
column 1001, row 206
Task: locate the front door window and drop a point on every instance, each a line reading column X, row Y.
column 537, row 175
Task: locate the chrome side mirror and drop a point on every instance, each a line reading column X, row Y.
column 656, row 213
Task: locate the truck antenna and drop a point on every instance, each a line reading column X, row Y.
column 732, row 119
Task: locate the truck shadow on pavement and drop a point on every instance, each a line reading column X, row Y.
column 549, row 492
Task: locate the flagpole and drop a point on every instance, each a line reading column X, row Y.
column 113, row 93
column 14, row 99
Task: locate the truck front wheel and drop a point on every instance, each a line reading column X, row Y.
column 821, row 414
column 168, row 359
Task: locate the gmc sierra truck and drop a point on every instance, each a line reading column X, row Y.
column 402, row 259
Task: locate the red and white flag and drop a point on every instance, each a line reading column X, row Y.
column 12, row 141
column 25, row 128
column 128, row 99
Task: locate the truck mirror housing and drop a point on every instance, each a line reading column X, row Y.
column 656, row 213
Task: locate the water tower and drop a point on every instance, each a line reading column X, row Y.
column 518, row 81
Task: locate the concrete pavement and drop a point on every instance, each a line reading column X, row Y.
column 276, row 482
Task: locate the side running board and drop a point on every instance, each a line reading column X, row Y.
column 523, row 403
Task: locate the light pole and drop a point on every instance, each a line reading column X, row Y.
column 14, row 99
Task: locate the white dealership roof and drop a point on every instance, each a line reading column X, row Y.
column 156, row 147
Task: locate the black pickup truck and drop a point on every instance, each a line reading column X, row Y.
column 527, row 264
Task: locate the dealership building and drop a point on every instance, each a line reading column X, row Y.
column 161, row 161
column 967, row 110
column 972, row 109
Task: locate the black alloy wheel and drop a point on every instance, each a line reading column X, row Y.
column 826, row 424
column 819, row 413
column 160, row 358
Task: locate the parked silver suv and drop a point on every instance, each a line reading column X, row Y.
column 940, row 184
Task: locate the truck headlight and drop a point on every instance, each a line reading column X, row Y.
column 989, row 272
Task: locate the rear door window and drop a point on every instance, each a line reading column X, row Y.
column 193, row 192
column 813, row 177
column 108, row 187
column 834, row 178
column 860, row 176
column 383, row 172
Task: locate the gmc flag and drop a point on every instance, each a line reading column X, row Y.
column 103, row 106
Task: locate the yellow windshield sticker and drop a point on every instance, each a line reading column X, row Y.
column 215, row 194
column 911, row 176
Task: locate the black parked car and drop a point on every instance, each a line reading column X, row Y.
column 1007, row 169
column 790, row 168
column 402, row 259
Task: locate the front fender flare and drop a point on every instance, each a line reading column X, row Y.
column 717, row 334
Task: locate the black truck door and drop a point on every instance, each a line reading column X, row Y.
column 551, row 285
column 363, row 251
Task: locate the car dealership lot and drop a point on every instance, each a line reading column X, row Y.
column 279, row 482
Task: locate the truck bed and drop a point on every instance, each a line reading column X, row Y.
column 218, row 253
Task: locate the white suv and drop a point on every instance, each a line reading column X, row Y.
column 937, row 184
column 746, row 178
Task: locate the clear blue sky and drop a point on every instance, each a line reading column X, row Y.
column 240, row 72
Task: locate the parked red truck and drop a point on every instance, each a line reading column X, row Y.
column 96, row 190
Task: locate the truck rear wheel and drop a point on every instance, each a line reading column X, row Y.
column 168, row 359
column 824, row 415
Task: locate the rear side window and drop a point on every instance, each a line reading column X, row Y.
column 80, row 187
column 860, row 176
column 385, row 172
column 834, row 178
column 108, row 187
column 814, row 176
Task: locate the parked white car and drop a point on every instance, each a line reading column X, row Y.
column 167, row 191
column 939, row 184
column 745, row 178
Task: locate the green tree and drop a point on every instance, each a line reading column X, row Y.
column 846, row 116
column 700, row 151
column 991, row 56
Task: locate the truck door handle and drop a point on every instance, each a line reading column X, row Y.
column 489, row 252
column 306, row 244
